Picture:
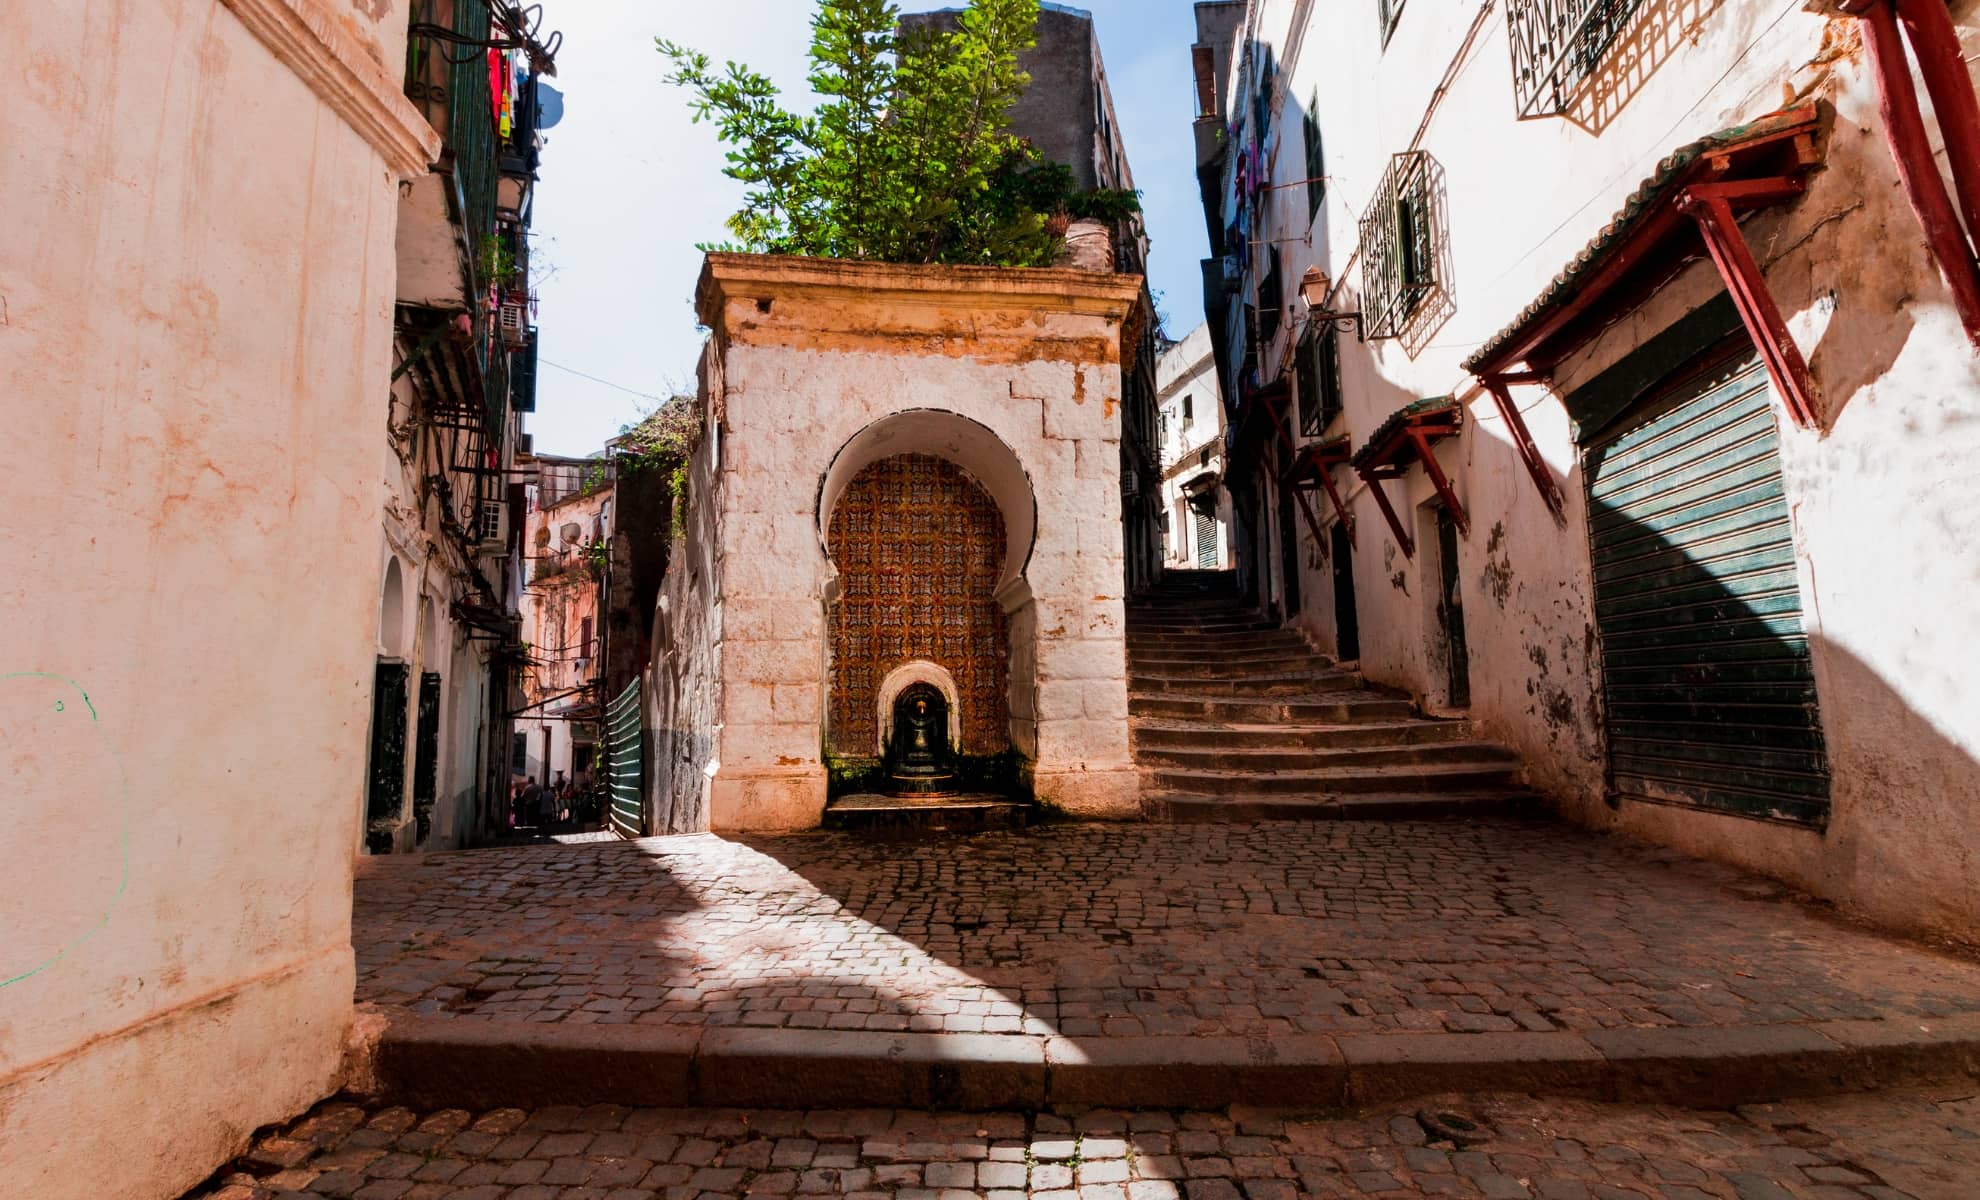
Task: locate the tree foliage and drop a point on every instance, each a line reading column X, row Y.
column 909, row 157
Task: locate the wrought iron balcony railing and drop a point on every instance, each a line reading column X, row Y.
column 1556, row 45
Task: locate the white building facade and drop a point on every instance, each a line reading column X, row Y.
column 1619, row 386
column 1196, row 509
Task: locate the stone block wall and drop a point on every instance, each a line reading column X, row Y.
column 824, row 367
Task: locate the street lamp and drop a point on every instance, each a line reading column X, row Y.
column 1315, row 288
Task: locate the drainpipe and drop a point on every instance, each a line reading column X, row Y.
column 1904, row 124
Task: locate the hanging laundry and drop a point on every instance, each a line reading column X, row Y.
column 505, row 115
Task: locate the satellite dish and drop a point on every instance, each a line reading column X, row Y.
column 549, row 105
column 571, row 532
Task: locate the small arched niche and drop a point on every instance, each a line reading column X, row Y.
column 899, row 680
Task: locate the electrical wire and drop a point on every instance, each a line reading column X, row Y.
column 608, row 383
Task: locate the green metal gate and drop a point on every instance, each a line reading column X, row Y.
column 1705, row 665
column 626, row 805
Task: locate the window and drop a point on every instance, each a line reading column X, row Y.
column 1316, row 161
column 584, row 637
column 1271, row 301
column 1401, row 236
column 1388, row 12
column 518, row 753
column 1556, row 44
column 1319, row 381
column 1189, row 410
column 1203, row 457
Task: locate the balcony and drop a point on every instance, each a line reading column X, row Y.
column 1556, row 45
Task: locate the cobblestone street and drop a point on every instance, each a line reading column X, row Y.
column 1081, row 931
column 1918, row 1143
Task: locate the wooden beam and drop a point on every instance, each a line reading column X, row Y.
column 1395, row 522
column 1529, row 453
column 1444, row 489
column 1734, row 258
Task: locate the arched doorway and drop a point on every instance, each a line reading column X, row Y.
column 920, row 548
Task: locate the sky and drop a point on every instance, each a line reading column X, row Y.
column 629, row 185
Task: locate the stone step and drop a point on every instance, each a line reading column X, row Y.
column 1292, row 684
column 1145, row 618
column 1186, row 652
column 1471, row 774
column 909, row 816
column 1210, row 756
column 1332, row 709
column 1216, row 644
column 1438, row 805
column 1159, row 734
column 1228, row 666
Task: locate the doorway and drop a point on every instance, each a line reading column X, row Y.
column 1347, row 628
column 1288, row 554
column 1450, row 613
column 1204, row 509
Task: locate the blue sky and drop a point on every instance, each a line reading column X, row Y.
column 630, row 185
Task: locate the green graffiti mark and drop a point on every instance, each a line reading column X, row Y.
column 123, row 832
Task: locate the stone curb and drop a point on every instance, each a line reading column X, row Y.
column 438, row 1062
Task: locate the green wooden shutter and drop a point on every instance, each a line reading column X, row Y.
column 1705, row 665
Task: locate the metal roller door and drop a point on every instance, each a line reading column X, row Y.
column 1705, row 666
column 1206, row 534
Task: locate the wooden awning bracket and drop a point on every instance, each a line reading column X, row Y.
column 1710, row 204
column 1412, row 432
column 1317, row 460
column 1305, row 509
column 1374, row 482
column 1529, row 453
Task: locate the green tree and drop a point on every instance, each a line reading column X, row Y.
column 909, row 156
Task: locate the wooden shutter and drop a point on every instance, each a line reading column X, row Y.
column 1705, row 665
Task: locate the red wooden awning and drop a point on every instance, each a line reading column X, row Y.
column 1314, row 467
column 1687, row 209
column 1405, row 438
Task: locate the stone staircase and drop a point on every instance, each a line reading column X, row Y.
column 1236, row 719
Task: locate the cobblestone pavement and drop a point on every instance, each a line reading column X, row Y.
column 1122, row 930
column 1919, row 1144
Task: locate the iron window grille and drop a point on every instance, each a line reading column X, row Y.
column 1557, row 44
column 1319, row 380
column 1400, row 236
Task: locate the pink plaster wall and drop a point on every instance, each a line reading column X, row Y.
column 195, row 292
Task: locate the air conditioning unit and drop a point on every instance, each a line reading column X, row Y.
column 512, row 318
column 491, row 525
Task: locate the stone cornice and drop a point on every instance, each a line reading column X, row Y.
column 847, row 281
column 307, row 38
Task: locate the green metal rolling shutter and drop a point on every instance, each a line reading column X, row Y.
column 1705, row 666
column 1206, row 536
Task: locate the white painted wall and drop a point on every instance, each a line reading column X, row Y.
column 1888, row 541
column 1188, row 369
